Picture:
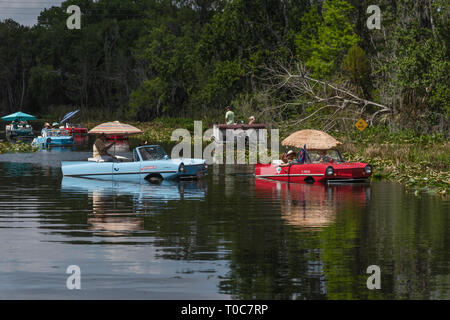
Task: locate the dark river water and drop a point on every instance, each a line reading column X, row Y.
column 227, row 236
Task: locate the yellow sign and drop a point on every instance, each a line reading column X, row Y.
column 361, row 125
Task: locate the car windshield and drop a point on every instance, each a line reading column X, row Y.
column 56, row 133
column 152, row 153
column 324, row 156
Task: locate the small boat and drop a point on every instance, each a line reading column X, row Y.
column 72, row 129
column 19, row 126
column 222, row 132
column 19, row 130
column 149, row 162
column 75, row 129
column 53, row 138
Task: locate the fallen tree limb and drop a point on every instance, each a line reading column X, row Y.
column 302, row 91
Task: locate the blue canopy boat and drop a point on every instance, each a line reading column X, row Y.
column 149, row 162
column 53, row 138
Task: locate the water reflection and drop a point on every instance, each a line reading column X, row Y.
column 167, row 190
column 107, row 214
column 80, row 140
column 315, row 205
column 226, row 236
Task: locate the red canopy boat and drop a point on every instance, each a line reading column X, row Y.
column 75, row 129
column 72, row 129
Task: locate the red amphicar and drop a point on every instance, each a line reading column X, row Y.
column 72, row 129
column 76, row 129
column 317, row 161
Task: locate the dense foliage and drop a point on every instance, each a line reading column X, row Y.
column 190, row 58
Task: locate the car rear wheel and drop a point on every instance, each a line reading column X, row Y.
column 154, row 178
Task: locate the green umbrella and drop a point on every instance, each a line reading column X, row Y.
column 20, row 116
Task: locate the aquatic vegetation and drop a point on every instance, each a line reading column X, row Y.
column 156, row 131
column 421, row 163
column 7, row 147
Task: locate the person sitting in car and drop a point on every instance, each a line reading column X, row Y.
column 323, row 157
column 288, row 158
column 100, row 149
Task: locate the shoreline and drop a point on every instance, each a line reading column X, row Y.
column 420, row 163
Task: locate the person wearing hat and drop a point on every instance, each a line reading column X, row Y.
column 229, row 116
column 44, row 129
column 252, row 120
column 289, row 157
column 100, row 149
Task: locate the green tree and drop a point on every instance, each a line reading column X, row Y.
column 357, row 66
column 335, row 34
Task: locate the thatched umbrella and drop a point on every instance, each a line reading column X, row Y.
column 115, row 128
column 313, row 139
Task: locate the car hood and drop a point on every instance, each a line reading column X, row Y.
column 347, row 165
column 189, row 161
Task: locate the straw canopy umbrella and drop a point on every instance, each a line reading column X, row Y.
column 115, row 128
column 313, row 139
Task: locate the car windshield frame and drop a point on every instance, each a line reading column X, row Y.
column 330, row 154
column 152, row 153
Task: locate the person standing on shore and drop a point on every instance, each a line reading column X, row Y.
column 229, row 116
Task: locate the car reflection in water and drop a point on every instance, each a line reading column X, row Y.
column 312, row 205
column 107, row 197
column 80, row 140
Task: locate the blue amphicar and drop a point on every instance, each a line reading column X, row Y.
column 149, row 162
column 53, row 138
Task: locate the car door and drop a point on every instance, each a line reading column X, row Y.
column 126, row 171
